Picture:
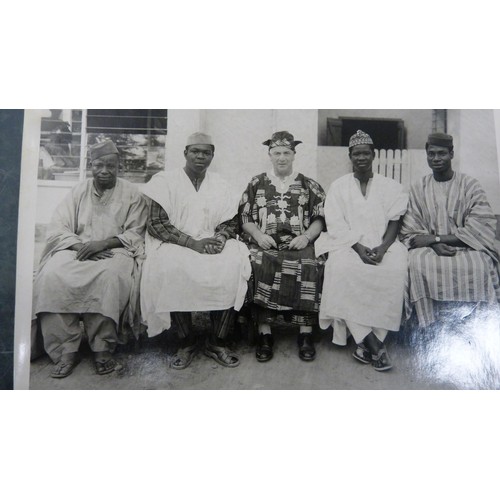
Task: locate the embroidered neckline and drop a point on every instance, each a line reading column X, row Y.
column 281, row 186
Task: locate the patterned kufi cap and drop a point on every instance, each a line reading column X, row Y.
column 102, row 149
column 199, row 138
column 284, row 139
column 439, row 139
column 360, row 138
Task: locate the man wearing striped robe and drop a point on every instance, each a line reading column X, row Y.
column 450, row 229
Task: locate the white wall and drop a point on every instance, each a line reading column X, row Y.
column 474, row 138
column 238, row 136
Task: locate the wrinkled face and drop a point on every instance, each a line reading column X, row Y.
column 439, row 158
column 198, row 158
column 282, row 159
column 362, row 158
column 105, row 171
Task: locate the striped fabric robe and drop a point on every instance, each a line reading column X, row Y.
column 459, row 207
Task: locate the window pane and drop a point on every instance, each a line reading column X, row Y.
column 139, row 135
column 60, row 144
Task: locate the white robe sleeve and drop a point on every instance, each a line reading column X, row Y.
column 339, row 233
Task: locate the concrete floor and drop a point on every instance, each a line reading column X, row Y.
column 146, row 367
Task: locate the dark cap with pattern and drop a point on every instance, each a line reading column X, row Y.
column 360, row 138
column 283, row 139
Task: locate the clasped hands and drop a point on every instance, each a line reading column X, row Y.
column 92, row 250
column 210, row 246
column 371, row 256
column 429, row 240
column 266, row 242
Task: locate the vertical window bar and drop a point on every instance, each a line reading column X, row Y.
column 83, row 148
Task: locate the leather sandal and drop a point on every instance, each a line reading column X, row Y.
column 222, row 355
column 362, row 354
column 264, row 348
column 381, row 361
column 183, row 357
column 307, row 352
column 65, row 366
column 103, row 366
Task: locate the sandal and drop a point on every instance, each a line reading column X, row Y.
column 362, row 354
column 222, row 355
column 65, row 367
column 106, row 365
column 381, row 362
column 183, row 357
column 307, row 352
column 265, row 348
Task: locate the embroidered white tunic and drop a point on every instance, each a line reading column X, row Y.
column 354, row 291
column 176, row 278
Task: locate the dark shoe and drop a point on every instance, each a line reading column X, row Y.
column 381, row 362
column 362, row 354
column 65, row 366
column 307, row 352
column 264, row 348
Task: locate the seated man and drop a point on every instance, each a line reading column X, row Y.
column 281, row 214
column 367, row 265
column 88, row 269
column 450, row 230
column 193, row 262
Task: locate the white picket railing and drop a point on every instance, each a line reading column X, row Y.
column 394, row 164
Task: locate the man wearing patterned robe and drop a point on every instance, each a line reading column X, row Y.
column 450, row 230
column 281, row 214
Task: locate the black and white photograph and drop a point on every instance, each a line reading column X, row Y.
column 249, row 249
column 263, row 249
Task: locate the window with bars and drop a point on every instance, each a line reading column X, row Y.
column 65, row 135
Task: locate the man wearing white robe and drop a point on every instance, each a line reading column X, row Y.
column 90, row 267
column 365, row 273
column 194, row 262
